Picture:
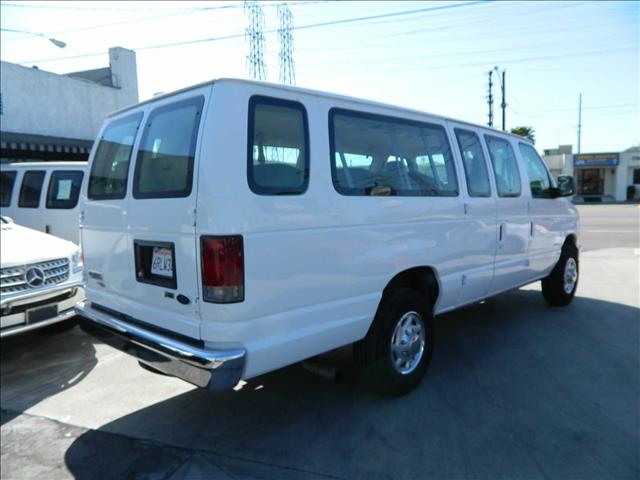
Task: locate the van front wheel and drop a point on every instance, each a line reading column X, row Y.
column 395, row 354
column 560, row 286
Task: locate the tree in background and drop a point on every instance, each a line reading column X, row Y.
column 526, row 132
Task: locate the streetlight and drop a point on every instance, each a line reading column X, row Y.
column 55, row 41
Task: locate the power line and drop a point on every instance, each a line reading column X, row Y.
column 177, row 12
column 507, row 62
column 146, row 9
column 302, row 27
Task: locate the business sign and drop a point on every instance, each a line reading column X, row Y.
column 596, row 159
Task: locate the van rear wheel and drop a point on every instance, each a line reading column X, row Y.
column 396, row 352
column 560, row 286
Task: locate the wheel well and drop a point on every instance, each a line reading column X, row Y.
column 571, row 240
column 422, row 279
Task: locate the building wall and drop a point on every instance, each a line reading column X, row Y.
column 43, row 103
column 616, row 179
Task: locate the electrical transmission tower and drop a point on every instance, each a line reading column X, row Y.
column 255, row 34
column 287, row 66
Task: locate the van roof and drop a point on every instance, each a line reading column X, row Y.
column 316, row 93
column 45, row 164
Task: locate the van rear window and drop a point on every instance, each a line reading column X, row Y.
column 164, row 167
column 31, row 188
column 64, row 188
column 110, row 167
column 7, row 179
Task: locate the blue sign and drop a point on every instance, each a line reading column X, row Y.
column 596, row 160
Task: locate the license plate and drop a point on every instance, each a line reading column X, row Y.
column 41, row 314
column 162, row 262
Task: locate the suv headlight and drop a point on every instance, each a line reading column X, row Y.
column 76, row 261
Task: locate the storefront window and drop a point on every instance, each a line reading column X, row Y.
column 590, row 181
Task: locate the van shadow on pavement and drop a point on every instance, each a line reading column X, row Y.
column 39, row 364
column 515, row 389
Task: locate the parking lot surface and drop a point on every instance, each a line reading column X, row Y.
column 515, row 389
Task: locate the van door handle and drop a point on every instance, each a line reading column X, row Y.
column 501, row 234
column 532, row 229
column 47, row 229
column 466, row 208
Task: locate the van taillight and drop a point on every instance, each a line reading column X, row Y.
column 222, row 268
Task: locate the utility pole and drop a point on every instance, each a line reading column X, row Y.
column 504, row 102
column 255, row 34
column 579, row 120
column 287, row 66
column 490, row 99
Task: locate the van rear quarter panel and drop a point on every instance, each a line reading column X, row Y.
column 315, row 264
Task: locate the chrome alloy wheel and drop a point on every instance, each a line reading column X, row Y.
column 407, row 343
column 570, row 275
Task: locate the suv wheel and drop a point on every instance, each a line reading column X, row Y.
column 560, row 286
column 395, row 354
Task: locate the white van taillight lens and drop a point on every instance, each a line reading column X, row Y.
column 222, row 269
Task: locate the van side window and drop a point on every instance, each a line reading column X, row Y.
column 7, row 179
column 475, row 166
column 31, row 188
column 278, row 147
column 505, row 166
column 110, row 168
column 539, row 180
column 164, row 167
column 378, row 155
column 64, row 188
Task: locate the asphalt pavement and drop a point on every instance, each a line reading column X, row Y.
column 515, row 389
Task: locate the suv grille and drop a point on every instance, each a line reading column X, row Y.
column 13, row 279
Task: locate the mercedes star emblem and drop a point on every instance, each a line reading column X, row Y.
column 34, row 277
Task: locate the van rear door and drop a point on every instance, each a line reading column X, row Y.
column 154, row 278
column 161, row 217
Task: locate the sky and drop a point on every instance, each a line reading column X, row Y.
column 430, row 56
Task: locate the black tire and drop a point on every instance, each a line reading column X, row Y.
column 553, row 286
column 373, row 354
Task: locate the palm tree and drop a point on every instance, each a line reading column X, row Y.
column 527, row 132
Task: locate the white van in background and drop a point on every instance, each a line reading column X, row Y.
column 236, row 227
column 43, row 196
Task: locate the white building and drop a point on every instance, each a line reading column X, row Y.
column 46, row 116
column 600, row 177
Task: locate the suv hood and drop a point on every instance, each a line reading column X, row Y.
column 20, row 245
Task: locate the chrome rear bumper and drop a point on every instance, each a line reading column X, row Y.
column 206, row 368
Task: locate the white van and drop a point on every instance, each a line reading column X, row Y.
column 43, row 196
column 236, row 227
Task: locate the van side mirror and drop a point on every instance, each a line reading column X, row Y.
column 566, row 187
